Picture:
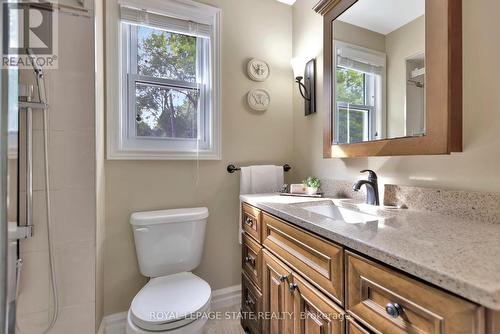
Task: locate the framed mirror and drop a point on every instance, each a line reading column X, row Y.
column 392, row 77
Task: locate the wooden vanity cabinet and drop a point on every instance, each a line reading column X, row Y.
column 294, row 305
column 251, row 221
column 277, row 300
column 251, row 306
column 353, row 327
column 317, row 259
column 313, row 311
column 414, row 307
column 295, row 282
column 251, row 259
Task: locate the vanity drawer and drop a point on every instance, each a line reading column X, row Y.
column 318, row 260
column 413, row 307
column 355, row 328
column 251, row 306
column 252, row 259
column 251, row 221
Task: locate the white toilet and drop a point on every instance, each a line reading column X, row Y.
column 169, row 245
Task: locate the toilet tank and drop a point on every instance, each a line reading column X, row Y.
column 169, row 241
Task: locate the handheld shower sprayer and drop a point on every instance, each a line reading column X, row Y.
column 39, row 75
column 32, row 57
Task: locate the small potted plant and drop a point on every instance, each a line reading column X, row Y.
column 312, row 184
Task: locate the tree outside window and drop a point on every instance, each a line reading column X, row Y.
column 166, row 111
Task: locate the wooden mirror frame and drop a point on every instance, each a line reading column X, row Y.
column 443, row 56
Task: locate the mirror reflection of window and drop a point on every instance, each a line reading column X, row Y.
column 359, row 99
column 379, row 71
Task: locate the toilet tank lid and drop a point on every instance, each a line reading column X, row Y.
column 168, row 216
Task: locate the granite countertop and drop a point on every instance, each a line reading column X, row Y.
column 458, row 255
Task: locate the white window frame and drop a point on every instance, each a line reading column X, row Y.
column 377, row 123
column 122, row 144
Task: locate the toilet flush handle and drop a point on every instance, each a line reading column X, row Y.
column 142, row 229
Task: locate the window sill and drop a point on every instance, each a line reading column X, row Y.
column 159, row 155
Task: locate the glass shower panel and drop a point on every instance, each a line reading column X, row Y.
column 9, row 192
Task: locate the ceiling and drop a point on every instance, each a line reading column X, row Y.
column 288, row 2
column 383, row 16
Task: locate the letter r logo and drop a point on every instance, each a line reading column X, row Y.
column 28, row 25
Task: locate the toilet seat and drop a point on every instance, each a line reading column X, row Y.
column 170, row 302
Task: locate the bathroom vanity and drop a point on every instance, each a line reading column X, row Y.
column 327, row 266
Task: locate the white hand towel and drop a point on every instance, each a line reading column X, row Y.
column 259, row 180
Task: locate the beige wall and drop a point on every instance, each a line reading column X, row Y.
column 405, row 42
column 257, row 28
column 474, row 169
column 346, row 32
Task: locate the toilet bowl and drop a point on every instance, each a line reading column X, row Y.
column 169, row 244
column 177, row 303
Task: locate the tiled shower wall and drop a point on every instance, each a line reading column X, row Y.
column 70, row 91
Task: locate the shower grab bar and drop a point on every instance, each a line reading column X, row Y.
column 25, row 230
column 29, row 167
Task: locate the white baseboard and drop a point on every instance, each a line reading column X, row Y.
column 113, row 324
column 222, row 298
column 101, row 327
column 226, row 297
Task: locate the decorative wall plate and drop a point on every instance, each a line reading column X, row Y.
column 259, row 99
column 258, row 70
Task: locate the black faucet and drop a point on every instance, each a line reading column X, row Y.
column 371, row 184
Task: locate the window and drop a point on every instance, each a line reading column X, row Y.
column 13, row 126
column 169, row 105
column 359, row 94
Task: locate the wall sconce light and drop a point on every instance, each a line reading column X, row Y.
column 307, row 88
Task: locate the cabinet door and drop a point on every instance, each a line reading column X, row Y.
column 251, row 306
column 314, row 313
column 277, row 300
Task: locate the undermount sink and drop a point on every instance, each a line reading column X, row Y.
column 330, row 210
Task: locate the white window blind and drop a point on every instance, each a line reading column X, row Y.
column 143, row 17
column 359, row 66
column 360, row 59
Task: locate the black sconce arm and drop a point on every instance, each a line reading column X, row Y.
column 302, row 88
column 307, row 87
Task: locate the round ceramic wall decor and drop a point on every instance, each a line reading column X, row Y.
column 258, row 70
column 259, row 99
